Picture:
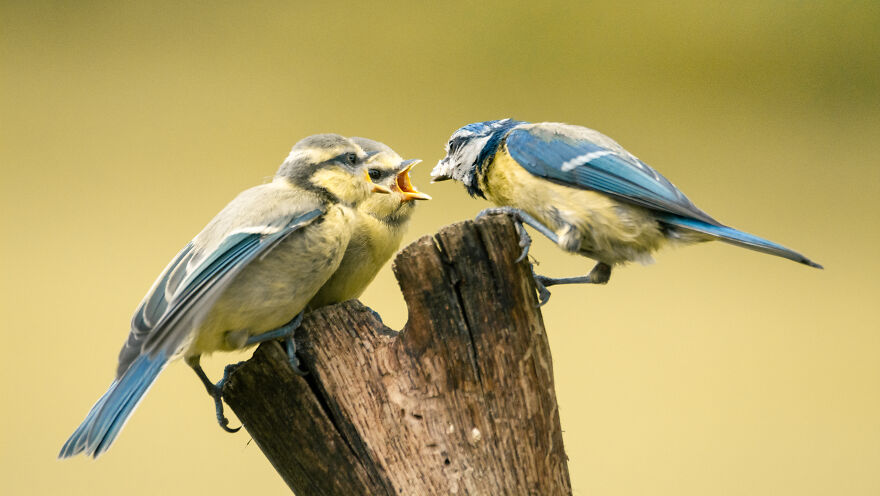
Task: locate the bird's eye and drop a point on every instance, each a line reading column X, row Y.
column 350, row 158
column 375, row 174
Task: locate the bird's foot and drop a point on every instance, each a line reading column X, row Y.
column 600, row 274
column 215, row 390
column 520, row 218
column 286, row 332
column 290, row 346
column 218, row 400
column 543, row 292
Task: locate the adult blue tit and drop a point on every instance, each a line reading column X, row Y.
column 585, row 192
column 379, row 224
column 245, row 278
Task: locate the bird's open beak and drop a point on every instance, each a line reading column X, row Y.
column 404, row 184
column 377, row 188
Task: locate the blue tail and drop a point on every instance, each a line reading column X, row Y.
column 101, row 426
column 739, row 238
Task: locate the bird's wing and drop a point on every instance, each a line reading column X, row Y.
column 191, row 283
column 580, row 157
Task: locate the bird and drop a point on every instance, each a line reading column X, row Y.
column 583, row 191
column 379, row 225
column 244, row 279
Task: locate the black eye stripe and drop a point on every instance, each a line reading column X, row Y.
column 347, row 158
column 379, row 174
column 455, row 143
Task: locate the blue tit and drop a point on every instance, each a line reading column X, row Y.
column 379, row 224
column 585, row 192
column 245, row 278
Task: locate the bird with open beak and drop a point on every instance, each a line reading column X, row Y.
column 244, row 279
column 379, row 225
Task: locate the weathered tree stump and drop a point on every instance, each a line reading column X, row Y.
column 461, row 401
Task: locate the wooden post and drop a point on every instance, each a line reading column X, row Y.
column 461, row 401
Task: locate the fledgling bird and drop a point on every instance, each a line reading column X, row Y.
column 245, row 278
column 379, row 224
column 585, row 192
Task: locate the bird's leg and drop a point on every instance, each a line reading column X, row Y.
column 600, row 274
column 520, row 218
column 286, row 331
column 214, row 390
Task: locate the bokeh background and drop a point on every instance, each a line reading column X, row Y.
column 127, row 125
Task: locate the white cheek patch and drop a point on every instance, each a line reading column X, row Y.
column 466, row 158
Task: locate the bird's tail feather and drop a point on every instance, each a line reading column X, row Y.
column 107, row 417
column 736, row 237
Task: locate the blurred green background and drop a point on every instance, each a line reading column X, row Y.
column 127, row 125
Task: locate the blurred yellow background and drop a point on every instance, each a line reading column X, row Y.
column 127, row 125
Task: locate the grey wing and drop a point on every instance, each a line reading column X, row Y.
column 153, row 307
column 186, row 290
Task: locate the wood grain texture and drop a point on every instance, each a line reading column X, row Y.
column 461, row 401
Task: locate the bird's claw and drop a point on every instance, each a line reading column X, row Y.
column 599, row 275
column 285, row 333
column 217, row 394
column 525, row 241
column 290, row 345
column 543, row 292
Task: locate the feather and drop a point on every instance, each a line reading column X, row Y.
column 736, row 237
column 583, row 158
column 107, row 417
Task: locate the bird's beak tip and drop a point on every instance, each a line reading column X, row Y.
column 441, row 172
column 409, row 164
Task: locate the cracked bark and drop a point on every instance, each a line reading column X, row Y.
column 461, row 401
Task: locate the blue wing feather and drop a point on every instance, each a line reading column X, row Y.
column 206, row 282
column 737, row 237
column 101, row 426
column 155, row 337
column 579, row 162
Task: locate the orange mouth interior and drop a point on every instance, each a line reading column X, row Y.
column 404, row 184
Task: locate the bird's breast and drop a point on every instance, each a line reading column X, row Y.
column 273, row 289
column 609, row 230
column 372, row 243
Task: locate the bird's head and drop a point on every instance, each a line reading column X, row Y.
column 469, row 149
column 387, row 169
column 331, row 166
